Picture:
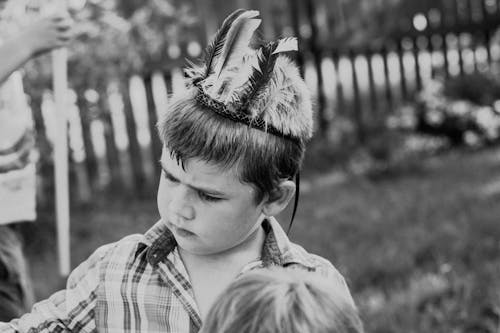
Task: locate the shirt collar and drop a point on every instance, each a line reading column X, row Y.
column 160, row 242
column 276, row 251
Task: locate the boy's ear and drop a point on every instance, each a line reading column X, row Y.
column 276, row 202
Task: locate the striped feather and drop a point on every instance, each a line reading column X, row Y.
column 237, row 40
column 215, row 47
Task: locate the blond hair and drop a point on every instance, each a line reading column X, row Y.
column 282, row 301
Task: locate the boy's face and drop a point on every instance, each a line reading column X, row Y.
column 209, row 210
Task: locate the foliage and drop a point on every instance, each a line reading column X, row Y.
column 464, row 110
column 387, row 152
column 478, row 88
column 358, row 23
column 393, row 153
column 365, row 22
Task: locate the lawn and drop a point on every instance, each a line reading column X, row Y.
column 420, row 250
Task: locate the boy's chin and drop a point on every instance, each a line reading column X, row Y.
column 197, row 250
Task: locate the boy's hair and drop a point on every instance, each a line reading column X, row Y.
column 243, row 107
column 282, row 301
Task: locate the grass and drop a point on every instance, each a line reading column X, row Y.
column 407, row 241
column 419, row 250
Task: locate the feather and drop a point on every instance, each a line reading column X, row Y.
column 236, row 77
column 286, row 101
column 286, row 45
column 215, row 47
column 260, row 75
column 237, row 40
column 263, row 72
column 261, row 84
column 193, row 72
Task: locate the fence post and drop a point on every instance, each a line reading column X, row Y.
column 134, row 148
column 473, row 48
column 460, row 55
column 487, row 42
column 78, row 170
column 167, row 77
column 338, row 84
column 204, row 8
column 109, row 136
column 90, row 156
column 371, row 81
column 317, row 56
column 445, row 52
column 430, row 49
column 402, row 72
column 268, row 21
column 387, row 82
column 358, row 116
column 467, row 7
column 153, row 119
column 416, row 51
column 294, row 10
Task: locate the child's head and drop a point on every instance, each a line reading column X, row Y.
column 263, row 160
column 191, row 129
column 247, row 113
column 282, row 301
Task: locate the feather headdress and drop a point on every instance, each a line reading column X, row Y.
column 259, row 87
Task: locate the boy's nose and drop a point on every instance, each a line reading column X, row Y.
column 180, row 204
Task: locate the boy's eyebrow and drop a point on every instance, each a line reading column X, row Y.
column 201, row 189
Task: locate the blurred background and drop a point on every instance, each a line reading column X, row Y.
column 400, row 185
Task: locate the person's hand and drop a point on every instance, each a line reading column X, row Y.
column 47, row 33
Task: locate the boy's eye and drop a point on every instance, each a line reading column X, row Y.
column 170, row 178
column 207, row 197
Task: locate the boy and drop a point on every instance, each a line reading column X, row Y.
column 282, row 301
column 233, row 141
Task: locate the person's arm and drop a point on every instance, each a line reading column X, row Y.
column 70, row 310
column 43, row 35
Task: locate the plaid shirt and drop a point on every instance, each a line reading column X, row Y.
column 139, row 284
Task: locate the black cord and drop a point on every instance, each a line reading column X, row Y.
column 296, row 201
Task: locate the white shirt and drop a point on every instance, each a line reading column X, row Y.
column 17, row 154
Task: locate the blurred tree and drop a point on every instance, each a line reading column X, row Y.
column 118, row 38
column 362, row 22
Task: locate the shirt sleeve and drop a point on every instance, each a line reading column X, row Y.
column 71, row 309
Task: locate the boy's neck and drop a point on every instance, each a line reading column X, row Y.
column 245, row 252
column 211, row 274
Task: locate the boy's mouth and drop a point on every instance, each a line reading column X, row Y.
column 179, row 231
